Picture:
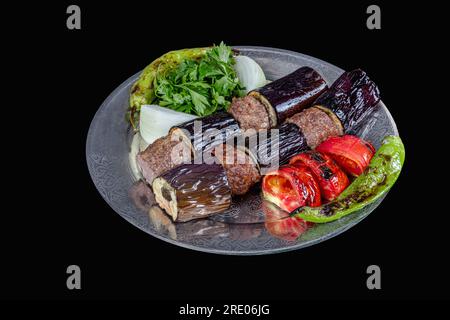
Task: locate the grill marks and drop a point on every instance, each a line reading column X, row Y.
column 280, row 103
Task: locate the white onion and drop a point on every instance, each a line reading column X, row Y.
column 132, row 156
column 142, row 144
column 155, row 121
column 249, row 72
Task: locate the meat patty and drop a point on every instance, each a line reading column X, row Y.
column 241, row 170
column 163, row 154
column 316, row 125
column 250, row 113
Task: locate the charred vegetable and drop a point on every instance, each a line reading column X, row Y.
column 205, row 133
column 351, row 153
column 332, row 180
column 383, row 171
column 278, row 145
column 143, row 91
column 193, row 191
column 288, row 95
column 291, row 187
column 351, row 97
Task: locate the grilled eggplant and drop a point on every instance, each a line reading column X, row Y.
column 193, row 191
column 288, row 95
column 351, row 97
column 205, row 133
column 278, row 145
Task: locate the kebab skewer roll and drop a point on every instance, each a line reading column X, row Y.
column 193, row 191
column 289, row 95
column 302, row 132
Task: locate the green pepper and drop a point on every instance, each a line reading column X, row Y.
column 142, row 91
column 383, row 171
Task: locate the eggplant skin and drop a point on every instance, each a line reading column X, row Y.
column 279, row 145
column 351, row 97
column 291, row 94
column 194, row 190
column 215, row 129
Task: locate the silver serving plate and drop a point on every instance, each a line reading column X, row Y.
column 241, row 229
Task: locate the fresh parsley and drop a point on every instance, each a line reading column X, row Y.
column 202, row 86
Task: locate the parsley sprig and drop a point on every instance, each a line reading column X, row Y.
column 200, row 87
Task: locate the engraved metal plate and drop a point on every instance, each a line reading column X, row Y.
column 240, row 230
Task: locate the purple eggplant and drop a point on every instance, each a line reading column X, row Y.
column 288, row 95
column 278, row 146
column 207, row 132
column 351, row 97
column 193, row 191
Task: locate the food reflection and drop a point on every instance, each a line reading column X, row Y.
column 143, row 198
column 162, row 223
column 279, row 224
column 202, row 228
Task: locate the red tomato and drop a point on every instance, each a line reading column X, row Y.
column 331, row 179
column 310, row 187
column 351, row 153
column 291, row 187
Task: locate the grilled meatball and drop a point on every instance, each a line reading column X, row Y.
column 316, row 125
column 249, row 113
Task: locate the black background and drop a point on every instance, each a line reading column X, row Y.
column 56, row 217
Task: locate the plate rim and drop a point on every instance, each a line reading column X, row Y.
column 197, row 248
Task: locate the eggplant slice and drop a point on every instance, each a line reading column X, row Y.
column 351, row 97
column 207, row 132
column 193, row 191
column 289, row 95
column 278, row 145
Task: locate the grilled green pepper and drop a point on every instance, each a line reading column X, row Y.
column 383, row 171
column 142, row 91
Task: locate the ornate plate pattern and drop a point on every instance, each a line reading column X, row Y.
column 240, row 230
